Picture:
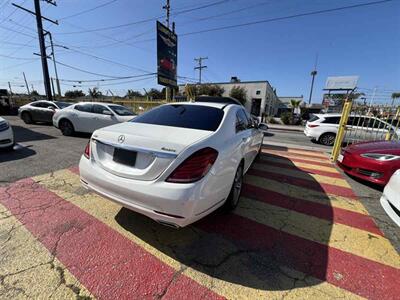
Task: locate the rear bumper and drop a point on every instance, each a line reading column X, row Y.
column 365, row 169
column 167, row 203
column 309, row 133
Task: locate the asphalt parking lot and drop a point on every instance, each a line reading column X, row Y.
column 302, row 230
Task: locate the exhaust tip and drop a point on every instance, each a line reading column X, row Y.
column 168, row 224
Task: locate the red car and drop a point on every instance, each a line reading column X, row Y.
column 372, row 161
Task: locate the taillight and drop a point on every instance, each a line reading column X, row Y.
column 312, row 126
column 87, row 150
column 195, row 167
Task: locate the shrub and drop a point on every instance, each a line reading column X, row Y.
column 287, row 118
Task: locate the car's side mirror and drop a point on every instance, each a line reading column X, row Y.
column 51, row 107
column 107, row 112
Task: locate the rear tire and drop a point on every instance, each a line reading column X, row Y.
column 27, row 118
column 234, row 195
column 66, row 128
column 327, row 139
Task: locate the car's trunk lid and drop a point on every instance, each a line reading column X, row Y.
column 141, row 151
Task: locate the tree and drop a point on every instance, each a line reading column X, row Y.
column 395, row 96
column 294, row 104
column 132, row 94
column 95, row 93
column 74, row 94
column 239, row 93
column 340, row 98
column 34, row 93
column 155, row 94
column 209, row 90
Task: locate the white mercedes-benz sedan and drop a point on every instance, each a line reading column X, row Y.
column 89, row 116
column 6, row 135
column 176, row 163
column 390, row 199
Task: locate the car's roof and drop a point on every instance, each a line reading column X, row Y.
column 101, row 103
column 209, row 104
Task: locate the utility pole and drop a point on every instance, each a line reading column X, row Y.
column 9, row 86
column 37, row 13
column 26, row 83
column 313, row 74
column 167, row 7
column 52, row 85
column 200, row 66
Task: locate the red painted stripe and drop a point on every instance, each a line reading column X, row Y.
column 310, row 184
column 291, row 154
column 327, row 212
column 356, row 274
column 294, row 159
column 74, row 169
column 109, row 265
column 301, row 169
column 285, row 149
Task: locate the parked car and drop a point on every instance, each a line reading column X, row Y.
column 90, row 116
column 324, row 127
column 6, row 135
column 390, row 199
column 40, row 111
column 372, row 161
column 176, row 163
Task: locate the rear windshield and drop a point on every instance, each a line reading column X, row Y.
column 62, row 104
column 183, row 115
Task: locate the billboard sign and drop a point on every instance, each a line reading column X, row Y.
column 167, row 48
column 341, row 83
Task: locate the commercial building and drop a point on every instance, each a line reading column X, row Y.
column 261, row 96
column 284, row 104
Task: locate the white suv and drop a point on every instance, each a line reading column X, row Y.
column 324, row 127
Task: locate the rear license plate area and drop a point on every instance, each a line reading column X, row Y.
column 124, row 157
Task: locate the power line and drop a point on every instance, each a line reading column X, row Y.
column 146, row 20
column 278, row 18
column 88, row 10
column 316, row 12
column 107, row 79
column 18, row 58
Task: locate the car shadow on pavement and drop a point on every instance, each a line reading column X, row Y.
column 17, row 154
column 276, row 239
column 23, row 134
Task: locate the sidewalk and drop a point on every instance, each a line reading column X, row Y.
column 286, row 127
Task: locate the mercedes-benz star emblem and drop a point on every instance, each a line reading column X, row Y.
column 121, row 139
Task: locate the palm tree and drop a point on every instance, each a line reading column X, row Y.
column 395, row 96
column 294, row 104
column 95, row 93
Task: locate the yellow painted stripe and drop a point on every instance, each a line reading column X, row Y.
column 294, row 156
column 299, row 164
column 66, row 185
column 306, row 194
column 28, row 269
column 296, row 151
column 302, row 175
column 339, row 236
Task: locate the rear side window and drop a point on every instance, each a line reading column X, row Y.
column 313, row 118
column 242, row 122
column 185, row 116
column 84, row 107
column 332, row 120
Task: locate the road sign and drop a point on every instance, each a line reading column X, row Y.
column 167, row 48
column 341, row 83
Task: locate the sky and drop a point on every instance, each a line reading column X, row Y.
column 363, row 41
